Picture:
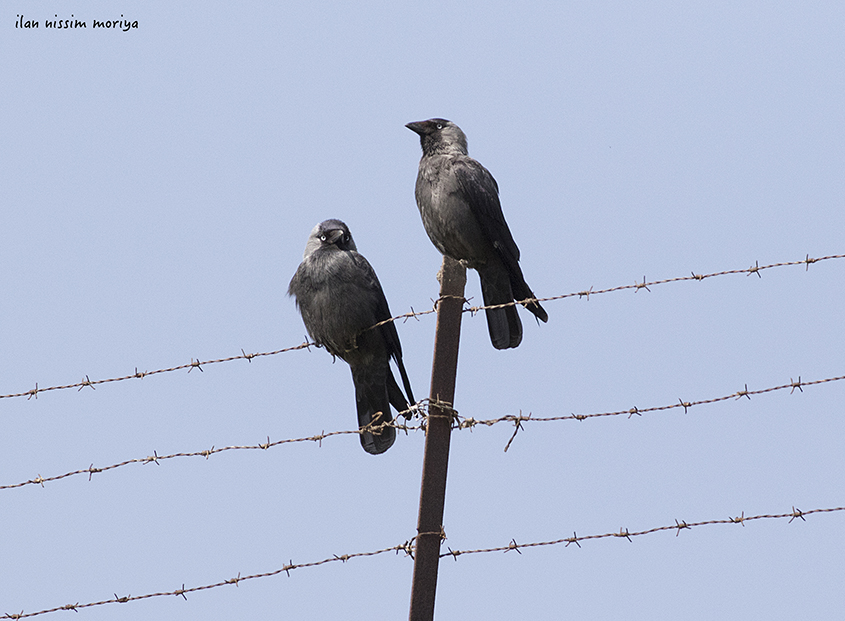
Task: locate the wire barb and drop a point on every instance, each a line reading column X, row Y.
column 796, row 513
column 808, row 261
column 517, row 427
column 234, row 580
column 641, row 285
column 743, row 393
column 586, row 294
column 407, row 548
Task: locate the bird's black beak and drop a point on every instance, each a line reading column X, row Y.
column 417, row 126
column 334, row 235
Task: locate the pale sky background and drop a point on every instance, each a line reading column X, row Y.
column 157, row 189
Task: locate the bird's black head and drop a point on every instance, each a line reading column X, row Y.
column 439, row 136
column 330, row 234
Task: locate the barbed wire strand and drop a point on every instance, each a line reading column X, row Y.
column 518, row 419
column 155, row 458
column 184, row 591
column 194, row 364
column 198, row 364
column 754, row 269
column 624, row 533
column 409, row 548
column 419, row 409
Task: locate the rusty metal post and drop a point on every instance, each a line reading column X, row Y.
column 452, row 277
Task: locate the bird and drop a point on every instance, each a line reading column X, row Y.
column 458, row 200
column 340, row 299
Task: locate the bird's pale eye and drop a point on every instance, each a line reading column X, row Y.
column 346, row 238
column 440, row 126
column 323, row 237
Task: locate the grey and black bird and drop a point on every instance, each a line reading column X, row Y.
column 458, row 200
column 340, row 299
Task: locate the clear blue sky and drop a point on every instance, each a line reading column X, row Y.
column 156, row 192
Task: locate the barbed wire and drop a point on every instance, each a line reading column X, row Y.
column 206, row 453
column 518, row 419
column 198, row 364
column 194, row 364
column 624, row 533
column 754, row 269
column 183, row 591
column 156, row 458
column 409, row 548
column 420, row 410
column 586, row 293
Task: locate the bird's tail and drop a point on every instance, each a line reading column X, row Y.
column 503, row 323
column 373, row 411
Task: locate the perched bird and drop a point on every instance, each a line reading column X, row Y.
column 458, row 200
column 339, row 297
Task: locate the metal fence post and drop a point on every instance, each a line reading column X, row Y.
column 452, row 277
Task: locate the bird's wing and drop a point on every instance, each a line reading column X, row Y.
column 380, row 309
column 381, row 312
column 481, row 192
